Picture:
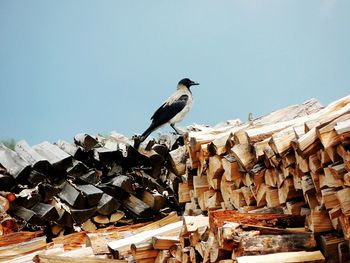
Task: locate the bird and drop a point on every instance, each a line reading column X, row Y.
column 172, row 111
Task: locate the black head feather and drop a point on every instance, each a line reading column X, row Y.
column 187, row 82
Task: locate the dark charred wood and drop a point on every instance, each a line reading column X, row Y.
column 14, row 164
column 91, row 193
column 91, row 177
column 134, row 158
column 7, row 182
column 81, row 215
column 107, row 205
column 123, row 182
column 65, row 217
column 72, row 196
column 106, row 156
column 47, row 191
column 113, row 191
column 28, row 198
column 148, row 181
column 46, row 212
column 28, row 216
column 77, row 152
column 36, row 177
column 86, row 141
column 77, row 169
column 38, row 162
column 137, row 207
column 58, row 158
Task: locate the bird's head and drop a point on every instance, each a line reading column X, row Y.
column 187, row 83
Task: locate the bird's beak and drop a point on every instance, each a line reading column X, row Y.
column 194, row 83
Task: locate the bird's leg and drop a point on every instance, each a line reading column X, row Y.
column 175, row 129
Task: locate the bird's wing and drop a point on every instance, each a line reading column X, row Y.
column 168, row 110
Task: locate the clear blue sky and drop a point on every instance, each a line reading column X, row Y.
column 97, row 66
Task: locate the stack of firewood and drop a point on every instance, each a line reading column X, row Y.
column 91, row 183
column 273, row 189
column 293, row 161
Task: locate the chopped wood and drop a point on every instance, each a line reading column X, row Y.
column 164, row 242
column 28, row 154
column 85, row 140
column 14, row 164
column 243, row 154
column 11, row 251
column 178, row 160
column 155, row 200
column 300, row 256
column 107, row 204
column 266, row 244
column 143, row 236
column 184, row 192
column 344, row 200
column 215, row 170
column 58, row 158
column 72, row 196
column 137, row 206
column 318, row 221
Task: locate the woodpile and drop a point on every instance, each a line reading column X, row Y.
column 273, row 189
column 90, row 184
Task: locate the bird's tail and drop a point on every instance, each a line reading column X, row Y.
column 139, row 139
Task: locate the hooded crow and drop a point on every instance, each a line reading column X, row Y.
column 173, row 110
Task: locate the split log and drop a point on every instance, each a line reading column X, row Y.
column 300, row 256
column 287, row 191
column 38, row 162
column 72, row 196
column 142, row 237
column 318, row 221
column 248, row 194
column 155, row 200
column 64, row 259
column 82, row 215
column 123, row 183
column 266, row 244
column 271, row 177
column 58, row 158
column 178, row 160
column 214, row 171
column 200, row 185
column 7, row 182
column 107, row 204
column 243, row 154
column 218, row 218
column 231, row 170
column 343, row 251
column 46, row 212
column 86, row 141
column 91, row 177
column 326, row 133
column 329, row 198
column 164, row 242
column 14, row 164
column 329, row 244
column 136, row 206
column 184, row 193
column 344, row 200
column 272, row 198
column 12, row 251
column 91, row 193
column 237, row 198
column 28, row 216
